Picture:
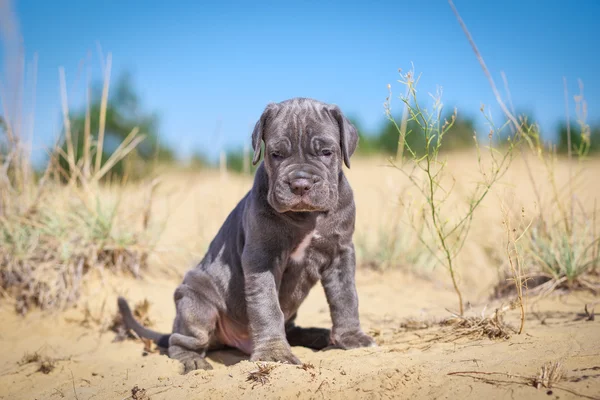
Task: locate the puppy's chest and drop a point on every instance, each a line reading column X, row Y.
column 301, row 251
column 310, row 255
column 302, row 271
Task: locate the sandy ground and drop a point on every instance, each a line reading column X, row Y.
column 406, row 364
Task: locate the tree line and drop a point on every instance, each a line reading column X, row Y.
column 124, row 111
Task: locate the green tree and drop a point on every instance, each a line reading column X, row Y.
column 588, row 141
column 199, row 160
column 366, row 142
column 123, row 114
column 526, row 120
column 235, row 161
column 460, row 135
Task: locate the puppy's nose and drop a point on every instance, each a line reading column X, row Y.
column 300, row 186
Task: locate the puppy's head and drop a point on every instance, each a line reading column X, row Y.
column 306, row 142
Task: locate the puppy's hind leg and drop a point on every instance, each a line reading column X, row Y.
column 190, row 351
column 193, row 329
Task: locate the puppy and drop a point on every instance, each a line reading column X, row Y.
column 292, row 229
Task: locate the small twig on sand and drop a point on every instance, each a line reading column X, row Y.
column 319, row 389
column 73, row 382
column 260, row 375
column 550, row 374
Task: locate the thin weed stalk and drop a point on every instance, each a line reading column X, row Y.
column 87, row 131
column 70, row 156
column 569, row 148
column 515, row 259
column 429, row 170
column 106, row 66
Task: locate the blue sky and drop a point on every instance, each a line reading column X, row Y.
column 197, row 62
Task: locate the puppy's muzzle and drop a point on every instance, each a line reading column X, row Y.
column 301, row 182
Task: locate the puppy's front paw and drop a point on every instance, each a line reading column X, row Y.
column 352, row 340
column 275, row 352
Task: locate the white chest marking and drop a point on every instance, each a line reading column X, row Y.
column 300, row 252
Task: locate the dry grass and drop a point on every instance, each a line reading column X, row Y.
column 261, row 374
column 515, row 259
column 472, row 327
column 90, row 319
column 44, row 364
column 46, row 254
column 415, row 324
column 562, row 245
column 550, row 374
column 563, row 242
column 141, row 311
column 492, row 327
column 549, row 377
column 422, row 333
column 53, row 234
column 306, row 366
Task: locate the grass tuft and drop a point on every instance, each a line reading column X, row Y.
column 550, row 374
column 563, row 249
column 44, row 364
column 58, row 226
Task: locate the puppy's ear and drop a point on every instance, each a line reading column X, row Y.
column 348, row 134
column 258, row 132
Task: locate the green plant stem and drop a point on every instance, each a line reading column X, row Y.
column 442, row 238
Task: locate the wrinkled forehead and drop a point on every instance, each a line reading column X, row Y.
column 302, row 123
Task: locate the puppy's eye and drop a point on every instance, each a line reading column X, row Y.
column 276, row 155
column 326, row 152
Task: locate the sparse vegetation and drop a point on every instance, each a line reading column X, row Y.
column 492, row 327
column 563, row 242
column 427, row 171
column 564, row 248
column 43, row 363
column 549, row 377
column 116, row 111
column 57, row 228
column 514, row 236
column 561, row 246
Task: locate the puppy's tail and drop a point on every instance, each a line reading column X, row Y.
column 160, row 339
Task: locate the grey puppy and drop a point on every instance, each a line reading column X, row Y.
column 292, row 229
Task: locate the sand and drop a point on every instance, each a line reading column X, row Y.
column 411, row 364
column 403, row 366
